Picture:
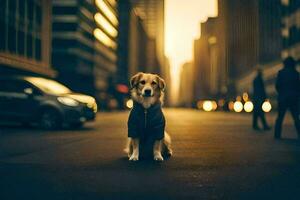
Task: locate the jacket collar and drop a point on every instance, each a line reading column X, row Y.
column 139, row 106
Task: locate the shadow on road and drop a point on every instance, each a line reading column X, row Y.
column 124, row 164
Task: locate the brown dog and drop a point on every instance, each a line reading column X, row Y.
column 146, row 120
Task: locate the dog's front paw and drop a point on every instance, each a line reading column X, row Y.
column 134, row 158
column 158, row 157
column 169, row 152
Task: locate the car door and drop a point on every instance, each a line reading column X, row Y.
column 4, row 100
column 20, row 103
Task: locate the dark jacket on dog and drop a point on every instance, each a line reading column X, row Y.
column 146, row 123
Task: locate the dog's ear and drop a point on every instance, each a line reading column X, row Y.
column 161, row 83
column 135, row 79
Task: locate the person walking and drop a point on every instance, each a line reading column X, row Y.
column 288, row 89
column 259, row 97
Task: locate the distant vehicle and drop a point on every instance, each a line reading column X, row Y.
column 44, row 101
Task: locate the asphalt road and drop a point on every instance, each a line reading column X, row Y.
column 216, row 156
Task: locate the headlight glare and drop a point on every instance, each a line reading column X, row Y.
column 68, row 101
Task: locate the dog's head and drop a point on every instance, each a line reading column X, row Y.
column 147, row 87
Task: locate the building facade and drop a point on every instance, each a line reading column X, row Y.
column 246, row 36
column 291, row 28
column 290, row 41
column 84, row 41
column 140, row 39
column 152, row 14
column 25, row 38
column 142, row 29
column 207, row 61
column 186, row 85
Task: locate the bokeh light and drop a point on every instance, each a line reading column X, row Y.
column 214, row 105
column 129, row 103
column 231, row 105
column 238, row 98
column 199, row 104
column 266, row 107
column 238, row 106
column 207, row 106
column 248, row 106
column 245, row 96
column 221, row 103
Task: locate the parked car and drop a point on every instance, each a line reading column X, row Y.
column 44, row 101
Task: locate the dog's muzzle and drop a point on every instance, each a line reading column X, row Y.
column 147, row 93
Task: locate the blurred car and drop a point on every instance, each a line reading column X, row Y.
column 44, row 101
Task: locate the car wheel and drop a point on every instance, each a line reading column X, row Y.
column 50, row 119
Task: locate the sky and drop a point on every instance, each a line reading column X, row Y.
column 182, row 27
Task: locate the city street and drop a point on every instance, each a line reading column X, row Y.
column 216, row 156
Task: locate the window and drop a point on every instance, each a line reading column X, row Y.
column 21, row 45
column 19, row 86
column 38, row 49
column 29, row 45
column 30, row 5
column 2, row 35
column 11, row 39
column 49, row 86
column 14, row 86
column 22, row 9
column 38, row 10
column 293, row 35
column 64, row 10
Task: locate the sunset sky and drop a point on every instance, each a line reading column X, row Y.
column 182, row 26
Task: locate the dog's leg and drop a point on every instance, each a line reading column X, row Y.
column 135, row 149
column 167, row 143
column 128, row 147
column 157, row 150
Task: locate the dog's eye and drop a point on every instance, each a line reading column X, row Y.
column 153, row 83
column 143, row 82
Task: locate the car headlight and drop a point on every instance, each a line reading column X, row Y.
column 68, row 101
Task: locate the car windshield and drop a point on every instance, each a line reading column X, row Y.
column 49, row 86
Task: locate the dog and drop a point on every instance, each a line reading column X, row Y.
column 146, row 122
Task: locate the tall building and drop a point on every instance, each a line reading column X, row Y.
column 291, row 28
column 186, row 85
column 140, row 39
column 25, row 38
column 132, row 41
column 85, row 43
column 152, row 14
column 290, row 41
column 247, row 35
column 141, row 28
column 207, row 62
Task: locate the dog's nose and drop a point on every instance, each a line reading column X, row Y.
column 147, row 93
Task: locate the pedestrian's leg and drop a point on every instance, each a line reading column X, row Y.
column 279, row 120
column 263, row 120
column 295, row 114
column 254, row 119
